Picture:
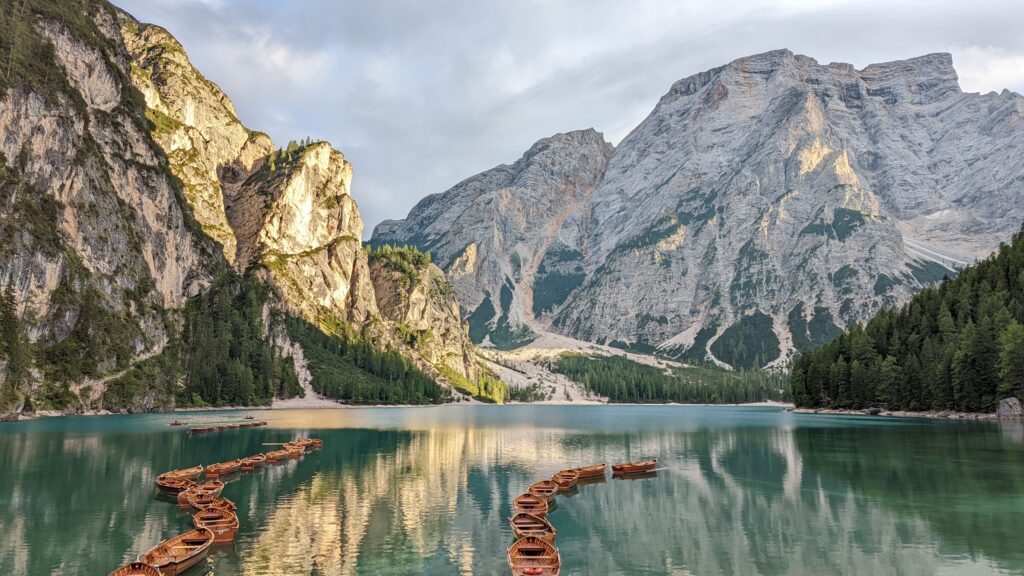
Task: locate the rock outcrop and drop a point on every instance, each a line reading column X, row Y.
column 503, row 232
column 1010, row 409
column 127, row 184
column 97, row 242
column 422, row 304
column 761, row 206
column 196, row 125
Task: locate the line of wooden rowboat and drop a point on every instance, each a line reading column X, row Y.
column 534, row 552
column 229, row 426
column 216, row 517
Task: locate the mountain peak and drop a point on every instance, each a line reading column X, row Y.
column 923, row 79
column 588, row 138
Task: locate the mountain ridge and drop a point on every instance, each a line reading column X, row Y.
column 156, row 249
column 775, row 186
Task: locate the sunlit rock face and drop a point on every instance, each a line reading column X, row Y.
column 196, row 125
column 288, row 214
column 290, row 211
column 89, row 213
column 426, row 306
column 775, row 195
column 127, row 182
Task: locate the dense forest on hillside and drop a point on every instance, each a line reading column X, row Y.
column 349, row 368
column 623, row 380
column 959, row 346
column 221, row 359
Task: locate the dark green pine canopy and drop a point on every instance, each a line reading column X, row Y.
column 958, row 346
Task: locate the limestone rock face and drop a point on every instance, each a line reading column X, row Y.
column 765, row 202
column 296, row 218
column 196, row 125
column 500, row 232
column 425, row 307
column 121, row 170
column 96, row 244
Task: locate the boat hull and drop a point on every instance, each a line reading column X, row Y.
column 173, row 485
column 629, row 468
column 173, row 562
column 223, row 523
column 545, row 490
column 566, row 480
column 526, row 525
column 135, row 569
column 223, row 469
column 253, row 462
column 590, row 472
column 534, row 557
column 530, row 504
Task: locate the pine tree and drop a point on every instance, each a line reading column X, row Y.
column 1011, row 360
column 8, row 320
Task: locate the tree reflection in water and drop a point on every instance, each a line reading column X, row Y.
column 433, row 498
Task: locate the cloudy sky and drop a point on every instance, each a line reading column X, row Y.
column 422, row 94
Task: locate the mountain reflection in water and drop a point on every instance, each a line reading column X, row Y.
column 429, row 491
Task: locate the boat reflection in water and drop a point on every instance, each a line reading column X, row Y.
column 425, row 491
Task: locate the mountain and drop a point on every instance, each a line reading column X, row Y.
column 759, row 208
column 502, row 232
column 959, row 346
column 152, row 247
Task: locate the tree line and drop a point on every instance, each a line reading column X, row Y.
column 350, row 368
column 623, row 380
column 958, row 346
column 14, row 349
column 226, row 357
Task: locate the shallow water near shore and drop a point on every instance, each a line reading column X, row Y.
column 428, row 491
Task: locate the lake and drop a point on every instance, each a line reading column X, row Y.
column 428, row 491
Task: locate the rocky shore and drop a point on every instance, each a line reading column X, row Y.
column 939, row 414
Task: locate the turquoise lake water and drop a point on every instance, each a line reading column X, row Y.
column 429, row 491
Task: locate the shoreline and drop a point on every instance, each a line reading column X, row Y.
column 323, row 406
column 930, row 414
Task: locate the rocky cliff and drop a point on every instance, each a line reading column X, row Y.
column 758, row 208
column 97, row 241
column 509, row 238
column 128, row 184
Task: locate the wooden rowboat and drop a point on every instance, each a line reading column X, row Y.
column 277, row 455
column 524, row 525
column 545, row 489
column 223, row 503
column 294, row 450
column 201, row 501
column 223, row 523
column 136, row 569
column 173, row 484
column 638, row 467
column 212, row 488
column 202, row 429
column 178, row 423
column 591, row 471
column 190, row 473
column 253, row 461
column 222, row 469
column 532, row 556
column 175, row 556
column 530, row 504
column 566, row 480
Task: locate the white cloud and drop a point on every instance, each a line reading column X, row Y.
column 988, row 68
column 420, row 95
